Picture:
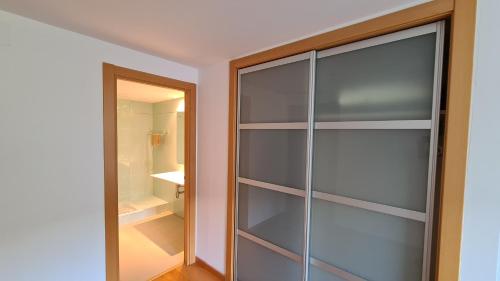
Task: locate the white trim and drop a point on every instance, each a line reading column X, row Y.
column 375, row 125
column 273, row 187
column 274, row 126
column 270, row 246
column 278, row 62
column 335, row 270
column 384, row 39
column 375, row 207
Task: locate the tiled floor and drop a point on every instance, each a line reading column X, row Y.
column 140, row 258
column 189, row 273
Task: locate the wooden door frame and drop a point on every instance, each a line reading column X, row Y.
column 462, row 15
column 110, row 75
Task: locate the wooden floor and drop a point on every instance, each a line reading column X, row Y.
column 141, row 257
column 189, row 273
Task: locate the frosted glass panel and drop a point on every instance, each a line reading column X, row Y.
column 274, row 156
column 381, row 166
column 393, row 81
column 277, row 94
column 273, row 216
column 256, row 263
column 370, row 245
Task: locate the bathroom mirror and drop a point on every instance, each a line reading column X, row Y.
column 180, row 137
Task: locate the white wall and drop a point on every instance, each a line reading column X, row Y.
column 213, row 106
column 51, row 151
column 481, row 229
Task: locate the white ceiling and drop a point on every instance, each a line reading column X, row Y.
column 201, row 32
column 129, row 90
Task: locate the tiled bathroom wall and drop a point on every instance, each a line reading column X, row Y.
column 138, row 159
column 165, row 155
column 134, row 122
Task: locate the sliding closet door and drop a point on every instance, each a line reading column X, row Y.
column 336, row 159
column 376, row 115
column 271, row 172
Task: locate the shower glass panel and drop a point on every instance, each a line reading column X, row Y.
column 135, row 153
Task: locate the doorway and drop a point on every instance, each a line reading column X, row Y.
column 149, row 163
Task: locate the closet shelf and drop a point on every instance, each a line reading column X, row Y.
column 343, row 125
column 273, row 187
column 266, row 244
column 298, row 259
column 343, row 200
column 280, row 229
column 376, row 125
column 274, row 126
column 335, row 270
column 370, row 206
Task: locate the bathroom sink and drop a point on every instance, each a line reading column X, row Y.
column 176, row 177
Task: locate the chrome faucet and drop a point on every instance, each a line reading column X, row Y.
column 178, row 190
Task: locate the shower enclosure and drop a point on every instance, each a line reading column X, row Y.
column 150, row 141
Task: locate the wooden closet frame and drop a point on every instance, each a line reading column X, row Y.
column 462, row 15
column 110, row 74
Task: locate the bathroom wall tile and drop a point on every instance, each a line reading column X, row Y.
column 142, row 122
column 123, row 105
column 141, row 108
column 165, row 155
column 135, row 121
column 166, row 106
column 138, row 158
